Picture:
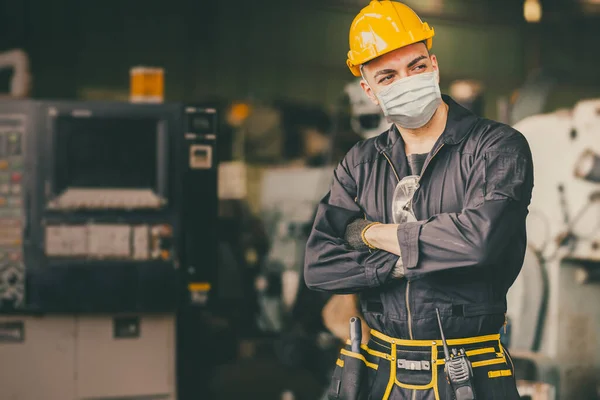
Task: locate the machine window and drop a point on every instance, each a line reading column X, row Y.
column 105, row 153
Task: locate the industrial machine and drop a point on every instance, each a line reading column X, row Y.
column 104, row 209
column 366, row 119
column 554, row 306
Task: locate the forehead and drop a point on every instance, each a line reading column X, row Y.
column 398, row 58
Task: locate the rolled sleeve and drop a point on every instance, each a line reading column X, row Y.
column 495, row 208
column 408, row 238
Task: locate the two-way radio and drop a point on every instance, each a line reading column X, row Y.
column 459, row 372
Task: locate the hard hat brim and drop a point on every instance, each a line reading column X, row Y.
column 355, row 68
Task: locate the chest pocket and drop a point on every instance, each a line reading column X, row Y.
column 442, row 188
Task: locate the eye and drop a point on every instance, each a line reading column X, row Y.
column 420, row 67
column 385, row 78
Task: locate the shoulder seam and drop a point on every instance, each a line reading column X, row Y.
column 367, row 161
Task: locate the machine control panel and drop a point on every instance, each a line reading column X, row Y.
column 84, row 226
column 11, row 210
column 106, row 199
column 109, row 242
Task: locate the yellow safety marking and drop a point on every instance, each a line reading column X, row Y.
column 199, row 287
column 499, row 373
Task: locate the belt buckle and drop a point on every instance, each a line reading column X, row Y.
column 414, row 365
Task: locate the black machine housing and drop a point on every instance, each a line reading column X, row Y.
column 116, row 204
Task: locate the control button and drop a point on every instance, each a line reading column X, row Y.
column 15, row 189
column 15, row 202
column 16, row 163
column 14, row 143
column 12, row 275
column 10, row 223
column 12, row 279
column 4, row 188
column 3, row 164
column 11, row 240
column 2, row 201
column 15, row 177
column 10, row 212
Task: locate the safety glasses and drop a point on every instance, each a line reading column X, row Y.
column 402, row 211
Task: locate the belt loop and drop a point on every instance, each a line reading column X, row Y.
column 434, row 369
column 392, row 381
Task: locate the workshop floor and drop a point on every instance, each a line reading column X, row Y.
column 256, row 372
column 263, row 379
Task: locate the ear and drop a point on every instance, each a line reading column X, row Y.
column 435, row 65
column 369, row 92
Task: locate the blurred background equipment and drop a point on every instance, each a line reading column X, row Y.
column 258, row 137
column 558, row 289
column 20, row 82
column 532, row 11
column 288, row 214
column 469, row 94
column 87, row 205
column 88, row 229
column 366, row 118
column 532, row 97
column 147, row 84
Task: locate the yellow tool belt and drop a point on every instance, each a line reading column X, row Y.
column 394, row 365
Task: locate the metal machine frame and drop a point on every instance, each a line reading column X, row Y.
column 156, row 302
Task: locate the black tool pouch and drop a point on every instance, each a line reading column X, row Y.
column 350, row 379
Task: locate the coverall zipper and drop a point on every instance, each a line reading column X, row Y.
column 407, row 282
column 407, row 296
column 428, row 162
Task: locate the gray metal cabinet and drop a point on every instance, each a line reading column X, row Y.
column 77, row 358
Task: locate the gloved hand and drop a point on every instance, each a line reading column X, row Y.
column 398, row 270
column 354, row 235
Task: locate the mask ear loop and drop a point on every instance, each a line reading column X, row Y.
column 365, row 79
column 380, row 103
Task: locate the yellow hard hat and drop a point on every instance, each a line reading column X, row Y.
column 381, row 27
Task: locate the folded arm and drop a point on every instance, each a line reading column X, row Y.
column 331, row 263
column 497, row 196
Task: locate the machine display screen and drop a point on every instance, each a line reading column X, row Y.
column 101, row 153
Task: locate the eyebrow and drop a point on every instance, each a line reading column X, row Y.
column 391, row 71
column 384, row 72
column 416, row 60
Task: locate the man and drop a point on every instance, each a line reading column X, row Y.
column 427, row 216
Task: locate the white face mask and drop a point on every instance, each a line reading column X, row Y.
column 411, row 102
